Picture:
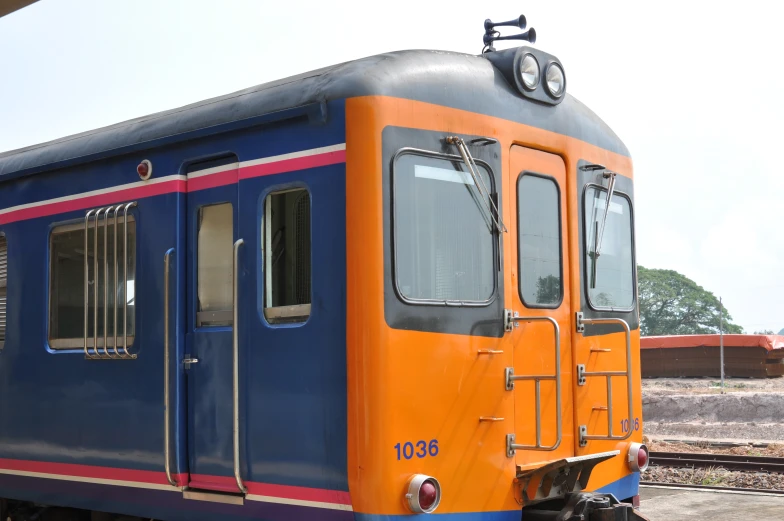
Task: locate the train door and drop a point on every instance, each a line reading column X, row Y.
column 211, row 222
column 541, row 375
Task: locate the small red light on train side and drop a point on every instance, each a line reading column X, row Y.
column 144, row 169
column 427, row 495
column 424, row 494
column 638, row 457
column 642, row 458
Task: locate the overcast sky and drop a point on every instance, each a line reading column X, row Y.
column 696, row 91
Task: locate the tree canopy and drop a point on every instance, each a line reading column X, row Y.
column 673, row 304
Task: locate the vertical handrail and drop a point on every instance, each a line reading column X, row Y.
column 87, row 280
column 116, row 280
column 511, row 378
column 166, row 385
column 235, row 387
column 106, row 281
column 96, row 282
column 584, row 436
column 125, row 279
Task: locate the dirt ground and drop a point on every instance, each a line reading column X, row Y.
column 694, row 409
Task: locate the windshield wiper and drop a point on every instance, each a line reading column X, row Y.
column 598, row 233
column 484, row 194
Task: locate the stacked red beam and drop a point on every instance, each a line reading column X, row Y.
column 753, row 356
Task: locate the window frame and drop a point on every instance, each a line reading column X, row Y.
column 519, row 243
column 216, row 318
column 586, row 276
column 292, row 315
column 77, row 343
column 393, row 231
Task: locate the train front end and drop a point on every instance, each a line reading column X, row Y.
column 493, row 332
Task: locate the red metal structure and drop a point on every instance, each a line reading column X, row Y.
column 753, row 356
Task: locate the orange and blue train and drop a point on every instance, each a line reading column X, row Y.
column 398, row 287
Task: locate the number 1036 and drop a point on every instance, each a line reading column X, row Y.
column 420, row 449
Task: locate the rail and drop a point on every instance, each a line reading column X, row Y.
column 236, row 369
column 583, row 375
column 97, row 219
column 510, row 378
column 726, row 461
column 166, row 371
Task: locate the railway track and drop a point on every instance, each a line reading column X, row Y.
column 773, row 492
column 726, row 461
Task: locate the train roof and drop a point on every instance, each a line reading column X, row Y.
column 451, row 79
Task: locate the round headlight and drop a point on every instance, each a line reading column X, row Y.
column 555, row 80
column 529, row 72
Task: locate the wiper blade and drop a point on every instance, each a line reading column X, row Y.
column 610, row 190
column 598, row 233
column 484, row 194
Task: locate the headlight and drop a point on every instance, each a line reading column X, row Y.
column 555, row 80
column 529, row 72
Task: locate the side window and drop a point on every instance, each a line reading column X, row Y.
column 539, row 241
column 110, row 283
column 3, row 287
column 444, row 245
column 215, row 268
column 287, row 248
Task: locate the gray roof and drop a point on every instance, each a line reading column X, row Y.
column 451, row 79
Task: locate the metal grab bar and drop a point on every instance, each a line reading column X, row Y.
column 510, row 378
column 582, row 376
column 92, row 220
column 235, row 386
column 166, row 384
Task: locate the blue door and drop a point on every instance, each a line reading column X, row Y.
column 211, row 220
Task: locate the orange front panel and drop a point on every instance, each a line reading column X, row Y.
column 409, row 386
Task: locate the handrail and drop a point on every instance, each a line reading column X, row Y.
column 510, row 378
column 166, row 385
column 582, row 374
column 235, row 386
column 87, row 280
column 93, row 220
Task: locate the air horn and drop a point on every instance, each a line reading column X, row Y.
column 492, row 35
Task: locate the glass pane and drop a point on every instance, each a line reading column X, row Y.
column 611, row 280
column 67, row 284
column 215, row 262
column 539, row 237
column 444, row 245
column 287, row 263
column 3, row 285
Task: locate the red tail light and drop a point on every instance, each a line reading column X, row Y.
column 638, row 457
column 424, row 494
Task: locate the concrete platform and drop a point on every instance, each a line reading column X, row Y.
column 676, row 504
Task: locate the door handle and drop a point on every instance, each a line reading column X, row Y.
column 187, row 361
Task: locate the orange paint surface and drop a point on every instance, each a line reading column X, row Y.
column 406, row 386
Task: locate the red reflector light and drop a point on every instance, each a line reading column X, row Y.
column 638, row 457
column 642, row 457
column 428, row 494
column 424, row 494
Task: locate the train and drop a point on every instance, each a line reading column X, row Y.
column 396, row 287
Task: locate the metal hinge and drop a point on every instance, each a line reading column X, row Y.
column 509, row 322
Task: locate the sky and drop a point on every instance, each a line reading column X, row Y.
column 694, row 89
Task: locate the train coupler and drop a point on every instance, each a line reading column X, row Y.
column 583, row 506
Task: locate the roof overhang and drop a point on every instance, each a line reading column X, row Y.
column 9, row 6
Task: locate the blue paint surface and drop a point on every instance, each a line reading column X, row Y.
column 59, row 407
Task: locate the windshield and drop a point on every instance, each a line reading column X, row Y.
column 443, row 250
column 611, row 275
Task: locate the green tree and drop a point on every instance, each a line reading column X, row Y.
column 548, row 289
column 765, row 332
column 672, row 304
